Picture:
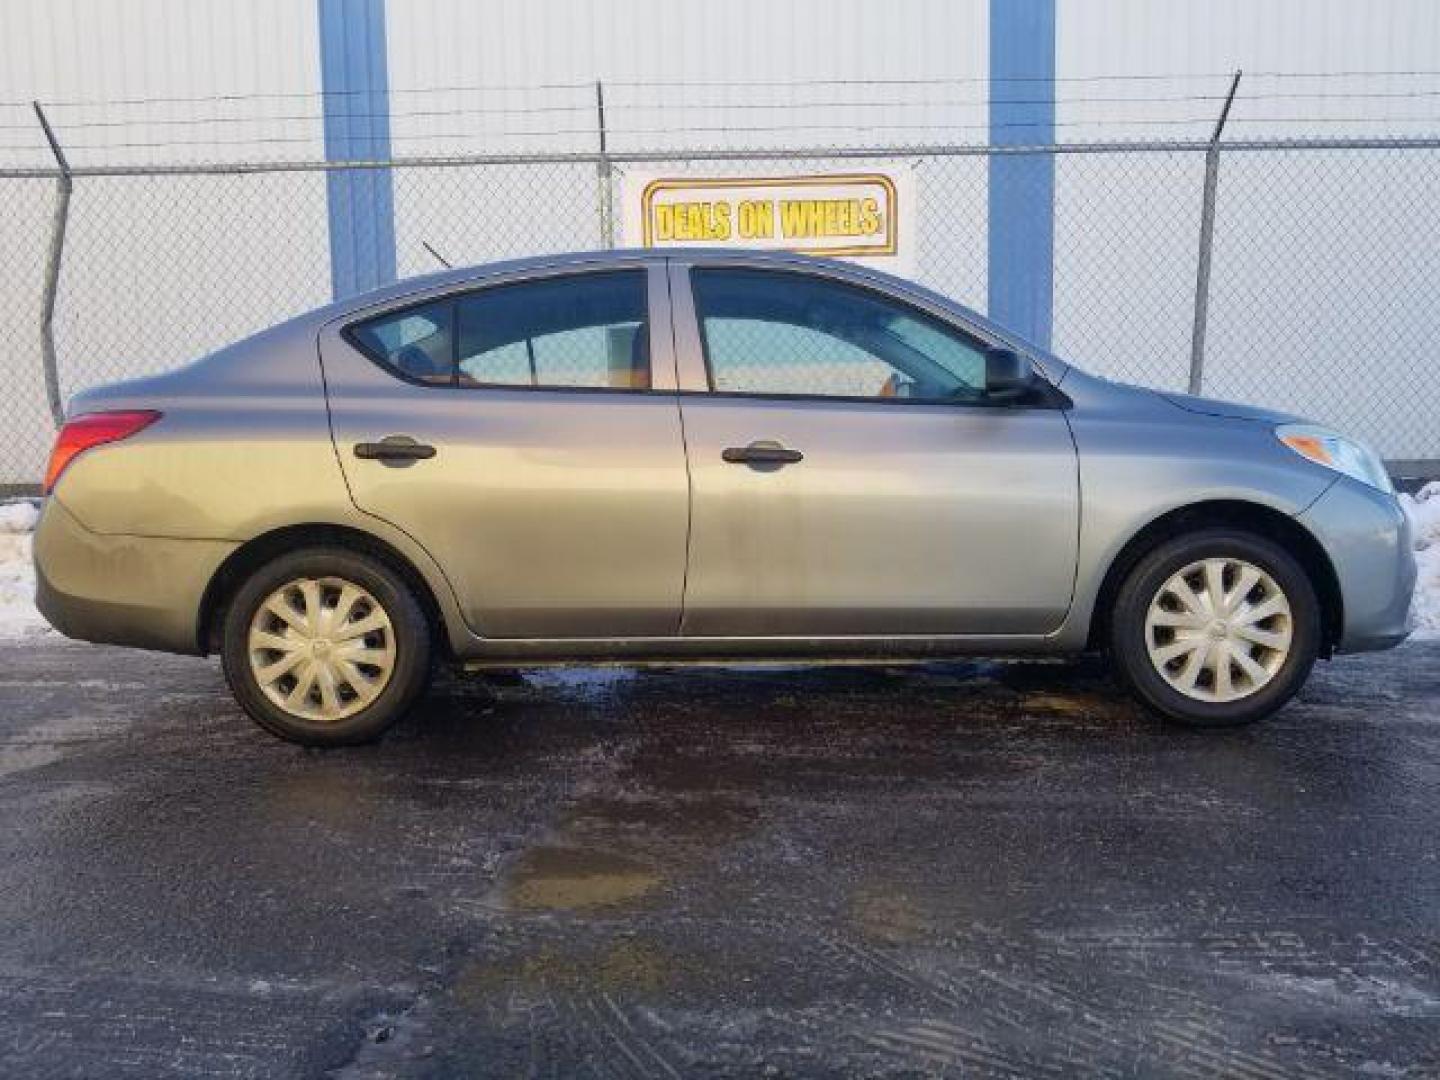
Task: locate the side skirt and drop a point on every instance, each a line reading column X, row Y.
column 482, row 654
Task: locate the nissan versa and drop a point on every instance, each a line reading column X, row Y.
column 699, row 456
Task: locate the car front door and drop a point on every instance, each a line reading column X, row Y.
column 526, row 433
column 850, row 475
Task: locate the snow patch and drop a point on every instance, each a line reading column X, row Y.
column 18, row 617
column 20, row 516
column 1424, row 511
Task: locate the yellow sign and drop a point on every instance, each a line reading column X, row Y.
column 852, row 215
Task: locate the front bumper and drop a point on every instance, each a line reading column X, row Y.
column 1368, row 538
column 141, row 591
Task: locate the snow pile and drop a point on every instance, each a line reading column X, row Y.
column 1424, row 511
column 18, row 617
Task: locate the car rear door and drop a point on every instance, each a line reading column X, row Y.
column 836, row 493
column 525, row 431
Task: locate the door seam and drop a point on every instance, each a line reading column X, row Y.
column 684, row 447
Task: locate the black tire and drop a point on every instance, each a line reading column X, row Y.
column 409, row 674
column 1128, row 646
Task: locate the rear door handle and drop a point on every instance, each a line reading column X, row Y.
column 762, row 453
column 394, row 448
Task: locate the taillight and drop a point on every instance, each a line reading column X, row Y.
column 91, row 430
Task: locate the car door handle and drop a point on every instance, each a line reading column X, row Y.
column 761, row 453
column 394, row 448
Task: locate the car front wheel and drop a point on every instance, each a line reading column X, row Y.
column 326, row 647
column 1216, row 628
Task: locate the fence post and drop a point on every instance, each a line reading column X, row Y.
column 603, row 172
column 58, row 222
column 1207, row 239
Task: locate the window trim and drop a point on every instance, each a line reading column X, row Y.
column 690, row 337
column 457, row 291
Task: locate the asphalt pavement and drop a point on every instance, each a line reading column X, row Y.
column 968, row 869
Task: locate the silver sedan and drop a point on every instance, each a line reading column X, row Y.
column 699, row 457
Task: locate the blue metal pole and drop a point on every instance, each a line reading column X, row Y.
column 353, row 75
column 1022, row 186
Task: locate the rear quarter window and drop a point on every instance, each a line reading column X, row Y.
column 418, row 343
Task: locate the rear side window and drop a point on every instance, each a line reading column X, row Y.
column 578, row 331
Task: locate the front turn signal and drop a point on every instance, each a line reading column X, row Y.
column 1335, row 451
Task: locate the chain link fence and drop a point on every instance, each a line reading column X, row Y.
column 1322, row 297
column 26, row 427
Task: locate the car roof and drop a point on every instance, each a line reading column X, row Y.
column 460, row 274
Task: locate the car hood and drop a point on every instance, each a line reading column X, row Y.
column 1231, row 410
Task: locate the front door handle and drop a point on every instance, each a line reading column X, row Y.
column 394, row 448
column 762, row 453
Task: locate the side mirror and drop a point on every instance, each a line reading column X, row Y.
column 1008, row 375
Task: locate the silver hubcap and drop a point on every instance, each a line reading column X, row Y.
column 1219, row 630
column 321, row 648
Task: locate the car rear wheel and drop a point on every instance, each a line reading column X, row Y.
column 326, row 647
column 1216, row 628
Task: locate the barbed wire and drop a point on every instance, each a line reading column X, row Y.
column 576, row 116
column 742, row 106
column 619, row 133
column 64, row 103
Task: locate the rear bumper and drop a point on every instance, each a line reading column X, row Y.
column 140, row 591
column 1368, row 539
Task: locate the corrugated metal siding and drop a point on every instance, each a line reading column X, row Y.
column 744, row 65
column 1199, row 44
column 436, row 42
column 683, row 73
column 1318, row 256
column 161, row 80
column 157, row 271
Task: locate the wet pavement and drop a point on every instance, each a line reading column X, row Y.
column 979, row 870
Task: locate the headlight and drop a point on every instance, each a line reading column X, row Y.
column 1325, row 447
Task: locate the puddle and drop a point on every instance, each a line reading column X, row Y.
column 625, row 967
column 568, row 879
column 48, row 742
column 329, row 792
column 887, row 916
column 1063, row 703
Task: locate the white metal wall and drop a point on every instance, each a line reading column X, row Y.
column 173, row 79
column 123, row 54
column 151, row 81
column 1206, row 41
column 1309, row 249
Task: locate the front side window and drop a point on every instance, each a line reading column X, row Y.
column 578, row 331
column 768, row 332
